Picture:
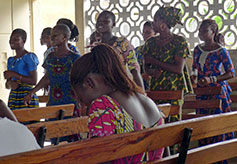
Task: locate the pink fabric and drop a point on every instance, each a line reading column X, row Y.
column 107, row 117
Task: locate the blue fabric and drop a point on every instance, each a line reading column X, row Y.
column 23, row 65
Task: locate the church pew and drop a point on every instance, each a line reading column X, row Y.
column 112, row 147
column 32, row 114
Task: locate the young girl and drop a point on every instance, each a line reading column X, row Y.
column 58, row 65
column 116, row 104
column 46, row 40
column 74, row 33
column 104, row 25
column 165, row 54
column 208, row 59
column 21, row 72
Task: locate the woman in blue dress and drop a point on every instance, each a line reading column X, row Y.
column 208, row 60
column 21, row 72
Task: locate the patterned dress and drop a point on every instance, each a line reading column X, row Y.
column 23, row 66
column 212, row 65
column 107, row 117
column 58, row 70
column 125, row 49
column 168, row 81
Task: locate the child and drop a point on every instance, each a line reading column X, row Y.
column 165, row 54
column 104, row 25
column 101, row 82
column 21, row 72
column 147, row 33
column 208, row 59
column 74, row 33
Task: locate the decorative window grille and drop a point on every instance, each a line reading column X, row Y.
column 131, row 15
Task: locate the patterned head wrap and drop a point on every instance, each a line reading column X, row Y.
column 170, row 15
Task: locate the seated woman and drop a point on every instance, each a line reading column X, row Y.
column 116, row 104
column 14, row 137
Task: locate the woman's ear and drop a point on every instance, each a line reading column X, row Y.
column 162, row 27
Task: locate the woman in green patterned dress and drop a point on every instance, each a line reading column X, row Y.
column 164, row 55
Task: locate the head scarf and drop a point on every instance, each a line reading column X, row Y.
column 170, row 15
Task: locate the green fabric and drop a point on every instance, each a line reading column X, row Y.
column 168, row 80
column 170, row 15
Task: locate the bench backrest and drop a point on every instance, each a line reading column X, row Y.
column 32, row 114
column 168, row 95
column 103, row 149
column 43, row 99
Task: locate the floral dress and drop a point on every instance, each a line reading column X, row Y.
column 23, row 66
column 107, row 117
column 58, row 70
column 168, row 81
column 210, row 63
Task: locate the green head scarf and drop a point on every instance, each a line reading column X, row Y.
column 170, row 15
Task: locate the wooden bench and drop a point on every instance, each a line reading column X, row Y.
column 189, row 107
column 43, row 99
column 168, row 95
column 104, row 149
column 32, row 114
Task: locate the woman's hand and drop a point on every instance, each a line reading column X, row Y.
column 9, row 74
column 155, row 73
column 27, row 98
column 149, row 59
column 204, row 81
column 13, row 84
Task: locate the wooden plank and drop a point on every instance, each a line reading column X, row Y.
column 207, row 90
column 206, row 104
column 206, row 154
column 233, row 98
column 32, row 114
column 117, row 146
column 233, row 86
column 61, row 128
column 165, row 109
column 165, row 95
column 43, row 99
column 190, row 116
column 175, row 110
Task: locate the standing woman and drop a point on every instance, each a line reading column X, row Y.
column 21, row 72
column 208, row 60
column 104, row 25
column 165, row 54
column 58, row 65
column 74, row 33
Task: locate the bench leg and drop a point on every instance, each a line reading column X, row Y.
column 184, row 146
column 42, row 135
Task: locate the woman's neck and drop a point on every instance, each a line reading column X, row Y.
column 20, row 52
column 107, row 37
column 166, row 35
column 62, row 50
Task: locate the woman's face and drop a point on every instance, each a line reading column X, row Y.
column 16, row 41
column 57, row 37
column 205, row 33
column 104, row 23
column 147, row 32
column 83, row 94
column 156, row 24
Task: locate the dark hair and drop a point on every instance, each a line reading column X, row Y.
column 20, row 32
column 64, row 29
column 110, row 14
column 47, row 31
column 105, row 61
column 218, row 38
column 157, row 15
column 148, row 24
column 73, row 28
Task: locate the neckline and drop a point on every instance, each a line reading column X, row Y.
column 199, row 46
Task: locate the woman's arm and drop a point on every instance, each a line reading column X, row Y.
column 42, row 83
column 176, row 67
column 137, row 78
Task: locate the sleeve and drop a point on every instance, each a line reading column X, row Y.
column 101, row 120
column 75, row 49
column 182, row 48
column 32, row 61
column 9, row 63
column 129, row 55
column 227, row 62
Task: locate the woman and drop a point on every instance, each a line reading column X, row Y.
column 116, row 104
